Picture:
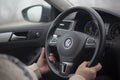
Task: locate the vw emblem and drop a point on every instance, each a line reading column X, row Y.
column 68, row 43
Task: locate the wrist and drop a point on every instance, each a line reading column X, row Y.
column 41, row 70
column 34, row 67
column 77, row 77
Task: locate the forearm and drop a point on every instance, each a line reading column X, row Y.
column 77, row 77
column 35, row 69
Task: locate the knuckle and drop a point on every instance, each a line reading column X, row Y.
column 93, row 72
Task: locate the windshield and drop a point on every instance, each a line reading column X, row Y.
column 113, row 4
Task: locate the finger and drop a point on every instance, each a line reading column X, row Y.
column 84, row 64
column 42, row 53
column 97, row 67
column 52, row 58
column 51, row 54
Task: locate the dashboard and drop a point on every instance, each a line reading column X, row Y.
column 83, row 23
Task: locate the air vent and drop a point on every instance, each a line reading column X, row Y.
column 66, row 24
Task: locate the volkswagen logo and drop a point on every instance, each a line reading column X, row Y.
column 68, row 43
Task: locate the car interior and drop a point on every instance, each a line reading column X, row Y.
column 74, row 33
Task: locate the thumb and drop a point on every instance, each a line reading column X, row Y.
column 42, row 55
column 84, row 64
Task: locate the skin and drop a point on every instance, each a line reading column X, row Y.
column 42, row 63
column 86, row 72
column 82, row 70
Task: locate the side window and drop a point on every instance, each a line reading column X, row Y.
column 38, row 12
column 10, row 10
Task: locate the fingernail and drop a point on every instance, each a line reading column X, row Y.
column 51, row 54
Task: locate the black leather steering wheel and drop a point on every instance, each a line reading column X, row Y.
column 70, row 45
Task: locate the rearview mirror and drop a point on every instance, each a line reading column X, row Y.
column 37, row 13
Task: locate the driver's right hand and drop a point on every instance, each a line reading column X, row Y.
column 89, row 73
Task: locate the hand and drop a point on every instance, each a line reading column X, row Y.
column 86, row 72
column 42, row 63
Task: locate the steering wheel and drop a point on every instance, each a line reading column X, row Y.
column 70, row 45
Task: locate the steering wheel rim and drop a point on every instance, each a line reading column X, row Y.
column 100, row 44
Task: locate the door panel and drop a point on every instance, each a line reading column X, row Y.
column 23, row 42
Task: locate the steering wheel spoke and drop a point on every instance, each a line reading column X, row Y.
column 65, row 68
column 53, row 40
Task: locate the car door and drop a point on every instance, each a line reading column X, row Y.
column 20, row 38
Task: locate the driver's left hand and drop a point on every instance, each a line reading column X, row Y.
column 42, row 63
